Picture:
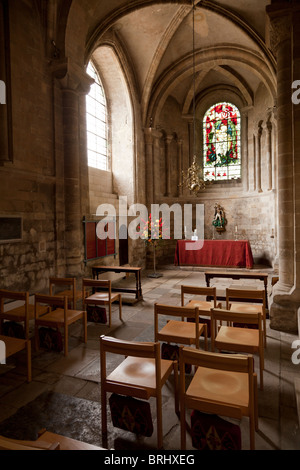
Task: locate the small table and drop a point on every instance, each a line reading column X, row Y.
column 123, row 269
column 235, row 275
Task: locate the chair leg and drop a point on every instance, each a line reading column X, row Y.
column 66, row 340
column 85, row 326
column 205, row 336
column 103, row 417
column 252, row 432
column 159, row 420
column 109, row 312
column 176, row 387
column 28, row 352
column 120, row 307
column 36, row 337
column 261, row 366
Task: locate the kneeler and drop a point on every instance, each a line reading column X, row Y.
column 171, row 352
column 96, row 314
column 210, row 432
column 131, row 414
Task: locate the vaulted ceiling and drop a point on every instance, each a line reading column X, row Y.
column 229, row 44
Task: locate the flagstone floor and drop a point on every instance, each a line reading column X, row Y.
column 78, row 375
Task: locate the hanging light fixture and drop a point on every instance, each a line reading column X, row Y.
column 193, row 178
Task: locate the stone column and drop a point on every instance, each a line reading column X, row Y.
column 73, row 82
column 258, row 159
column 169, row 140
column 286, row 299
column 180, row 167
column 152, row 137
column 269, row 156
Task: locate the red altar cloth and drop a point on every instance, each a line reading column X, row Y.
column 222, row 253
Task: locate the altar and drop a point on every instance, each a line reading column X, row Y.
column 220, row 253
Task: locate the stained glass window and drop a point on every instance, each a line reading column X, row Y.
column 96, row 122
column 222, row 142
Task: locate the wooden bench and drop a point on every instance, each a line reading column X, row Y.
column 96, row 270
column 238, row 275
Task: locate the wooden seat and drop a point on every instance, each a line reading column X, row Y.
column 224, row 384
column 142, row 375
column 247, row 307
column 238, row 338
column 204, row 306
column 15, row 345
column 58, row 316
column 46, row 441
column 106, row 297
column 72, row 293
column 179, row 331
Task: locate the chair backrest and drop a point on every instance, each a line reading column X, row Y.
column 224, row 362
column 231, row 317
column 95, row 283
column 245, row 294
column 17, row 296
column 52, row 301
column 63, row 282
column 129, row 348
column 12, row 295
column 176, row 311
column 195, row 290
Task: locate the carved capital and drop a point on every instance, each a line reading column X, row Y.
column 279, row 26
column 71, row 75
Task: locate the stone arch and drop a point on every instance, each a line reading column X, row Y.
column 208, row 59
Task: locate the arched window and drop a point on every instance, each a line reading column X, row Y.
column 96, row 123
column 222, row 142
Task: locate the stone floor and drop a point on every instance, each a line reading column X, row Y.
column 77, row 376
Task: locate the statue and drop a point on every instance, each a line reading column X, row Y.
column 219, row 221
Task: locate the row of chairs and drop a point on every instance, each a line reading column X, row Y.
column 223, row 384
column 56, row 310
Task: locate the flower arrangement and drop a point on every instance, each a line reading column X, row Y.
column 153, row 231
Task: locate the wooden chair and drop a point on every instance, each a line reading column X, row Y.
column 238, row 338
column 204, row 306
column 224, row 384
column 71, row 292
column 58, row 316
column 179, row 331
column 106, row 297
column 15, row 345
column 241, row 305
column 21, row 314
column 46, row 441
column 142, row 375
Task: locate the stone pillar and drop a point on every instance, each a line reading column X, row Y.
column 258, row 159
column 169, row 140
column 73, row 82
column 284, row 29
column 269, row 156
column 180, row 167
column 152, row 138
